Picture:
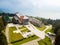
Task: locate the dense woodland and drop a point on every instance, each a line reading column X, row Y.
column 54, row 23
column 3, row 24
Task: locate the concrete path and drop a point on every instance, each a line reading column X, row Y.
column 52, row 38
column 47, row 27
column 33, row 42
column 33, row 29
column 7, row 35
column 37, row 32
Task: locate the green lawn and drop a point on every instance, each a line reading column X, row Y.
column 17, row 39
column 41, row 28
column 45, row 41
column 21, row 27
column 49, row 30
column 24, row 29
column 14, row 36
column 26, row 40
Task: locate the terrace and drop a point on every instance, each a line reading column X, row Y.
column 14, row 36
column 17, row 38
column 23, row 29
column 25, row 32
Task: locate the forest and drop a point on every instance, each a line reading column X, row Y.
column 3, row 23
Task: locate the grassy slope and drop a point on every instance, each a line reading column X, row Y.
column 45, row 41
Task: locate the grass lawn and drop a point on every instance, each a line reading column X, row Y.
column 24, row 29
column 17, row 39
column 14, row 36
column 49, row 30
column 40, row 28
column 25, row 40
column 45, row 41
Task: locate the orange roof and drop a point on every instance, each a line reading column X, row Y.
column 21, row 17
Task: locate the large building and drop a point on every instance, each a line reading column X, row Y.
column 35, row 21
column 21, row 19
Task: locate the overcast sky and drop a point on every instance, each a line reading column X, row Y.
column 41, row 8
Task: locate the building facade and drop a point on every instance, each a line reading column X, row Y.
column 22, row 19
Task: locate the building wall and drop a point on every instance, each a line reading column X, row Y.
column 22, row 20
column 35, row 21
column 26, row 21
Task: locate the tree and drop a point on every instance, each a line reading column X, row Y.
column 3, row 40
column 1, row 24
column 4, row 20
column 57, row 40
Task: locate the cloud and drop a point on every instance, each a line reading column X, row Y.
column 46, row 2
column 33, row 7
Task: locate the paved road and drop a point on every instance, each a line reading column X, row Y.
column 33, row 29
column 47, row 27
column 6, row 33
column 33, row 42
column 52, row 38
column 37, row 32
